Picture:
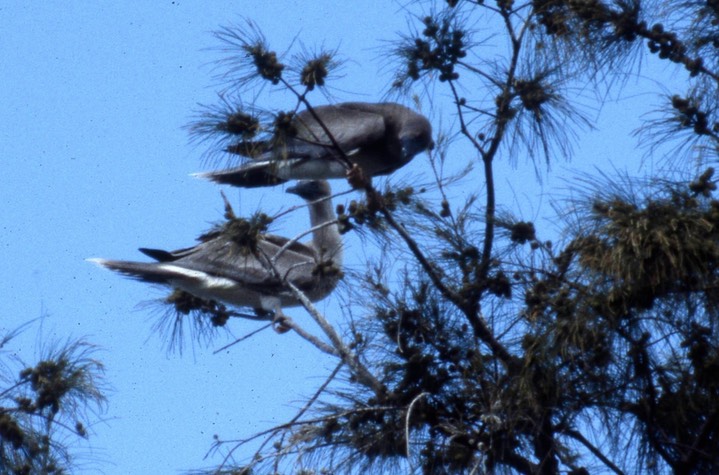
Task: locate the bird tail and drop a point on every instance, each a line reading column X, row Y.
column 250, row 175
column 146, row 272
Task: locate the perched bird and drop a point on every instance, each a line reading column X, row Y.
column 379, row 138
column 225, row 268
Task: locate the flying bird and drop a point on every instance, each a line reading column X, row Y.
column 223, row 269
column 379, row 138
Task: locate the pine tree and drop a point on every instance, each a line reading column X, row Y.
column 498, row 350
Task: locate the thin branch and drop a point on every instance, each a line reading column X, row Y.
column 304, row 409
column 287, row 425
column 295, row 239
column 339, row 349
column 305, row 205
column 479, row 72
column 479, row 325
column 301, row 97
column 595, row 451
column 362, row 373
column 242, row 338
column 414, row 248
column 689, row 459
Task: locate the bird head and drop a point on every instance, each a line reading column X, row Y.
column 310, row 190
column 415, row 137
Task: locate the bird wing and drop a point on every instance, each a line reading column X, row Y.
column 223, row 257
column 349, row 126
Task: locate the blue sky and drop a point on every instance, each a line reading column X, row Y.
column 94, row 100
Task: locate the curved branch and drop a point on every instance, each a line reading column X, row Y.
column 296, row 239
column 406, row 427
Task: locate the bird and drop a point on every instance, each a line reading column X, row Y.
column 377, row 137
column 223, row 269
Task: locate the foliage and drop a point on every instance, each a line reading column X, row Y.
column 44, row 407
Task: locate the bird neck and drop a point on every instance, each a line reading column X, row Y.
column 326, row 239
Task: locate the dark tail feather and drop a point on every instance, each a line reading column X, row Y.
column 252, row 175
column 158, row 254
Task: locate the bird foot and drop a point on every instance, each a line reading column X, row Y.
column 280, row 323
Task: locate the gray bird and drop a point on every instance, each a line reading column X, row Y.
column 222, row 269
column 379, row 138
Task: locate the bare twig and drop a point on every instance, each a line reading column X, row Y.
column 295, row 239
column 242, row 338
column 363, row 374
column 305, row 205
column 406, row 427
column 304, row 409
column 240, row 442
